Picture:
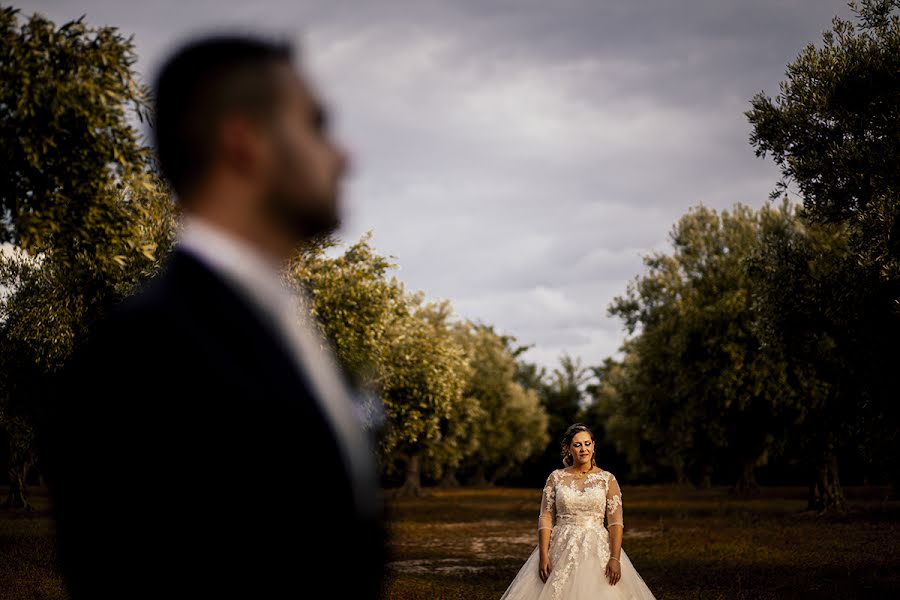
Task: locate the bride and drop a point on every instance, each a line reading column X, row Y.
column 576, row 556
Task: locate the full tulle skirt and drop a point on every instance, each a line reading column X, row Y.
column 578, row 561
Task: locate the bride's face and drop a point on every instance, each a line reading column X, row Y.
column 582, row 448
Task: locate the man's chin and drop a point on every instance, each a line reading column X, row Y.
column 305, row 224
column 313, row 225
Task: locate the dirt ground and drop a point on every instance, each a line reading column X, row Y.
column 686, row 544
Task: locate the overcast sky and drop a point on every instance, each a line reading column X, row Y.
column 519, row 157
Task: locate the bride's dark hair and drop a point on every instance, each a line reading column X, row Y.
column 570, row 433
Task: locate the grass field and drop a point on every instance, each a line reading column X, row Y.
column 686, row 544
column 469, row 543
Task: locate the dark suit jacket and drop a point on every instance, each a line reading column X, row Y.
column 186, row 458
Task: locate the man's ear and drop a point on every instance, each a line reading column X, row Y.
column 242, row 144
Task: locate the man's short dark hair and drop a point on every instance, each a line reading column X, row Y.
column 201, row 83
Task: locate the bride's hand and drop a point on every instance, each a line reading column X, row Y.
column 613, row 571
column 546, row 567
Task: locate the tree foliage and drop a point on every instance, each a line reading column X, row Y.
column 697, row 375
column 834, row 130
column 398, row 346
column 513, row 424
column 85, row 216
column 834, row 126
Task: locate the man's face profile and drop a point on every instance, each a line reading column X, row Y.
column 304, row 164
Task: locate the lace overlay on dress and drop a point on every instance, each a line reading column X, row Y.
column 573, row 508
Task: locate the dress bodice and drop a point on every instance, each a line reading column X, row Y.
column 569, row 498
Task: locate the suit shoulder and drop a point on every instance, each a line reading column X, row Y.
column 144, row 308
column 133, row 321
column 156, row 301
column 151, row 295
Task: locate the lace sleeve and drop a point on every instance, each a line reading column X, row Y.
column 614, row 503
column 547, row 516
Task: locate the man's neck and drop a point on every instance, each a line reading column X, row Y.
column 272, row 245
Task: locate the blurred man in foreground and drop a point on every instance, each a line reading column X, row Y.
column 201, row 442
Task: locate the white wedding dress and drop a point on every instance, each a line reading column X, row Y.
column 573, row 508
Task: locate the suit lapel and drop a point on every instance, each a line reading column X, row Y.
column 242, row 337
column 234, row 325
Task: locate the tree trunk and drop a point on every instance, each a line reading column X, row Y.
column 18, row 489
column 480, row 478
column 825, row 492
column 746, row 484
column 412, row 486
column 681, row 477
column 706, row 477
column 449, row 480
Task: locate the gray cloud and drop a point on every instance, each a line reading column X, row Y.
column 520, row 157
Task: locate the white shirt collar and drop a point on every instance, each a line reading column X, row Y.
column 255, row 273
